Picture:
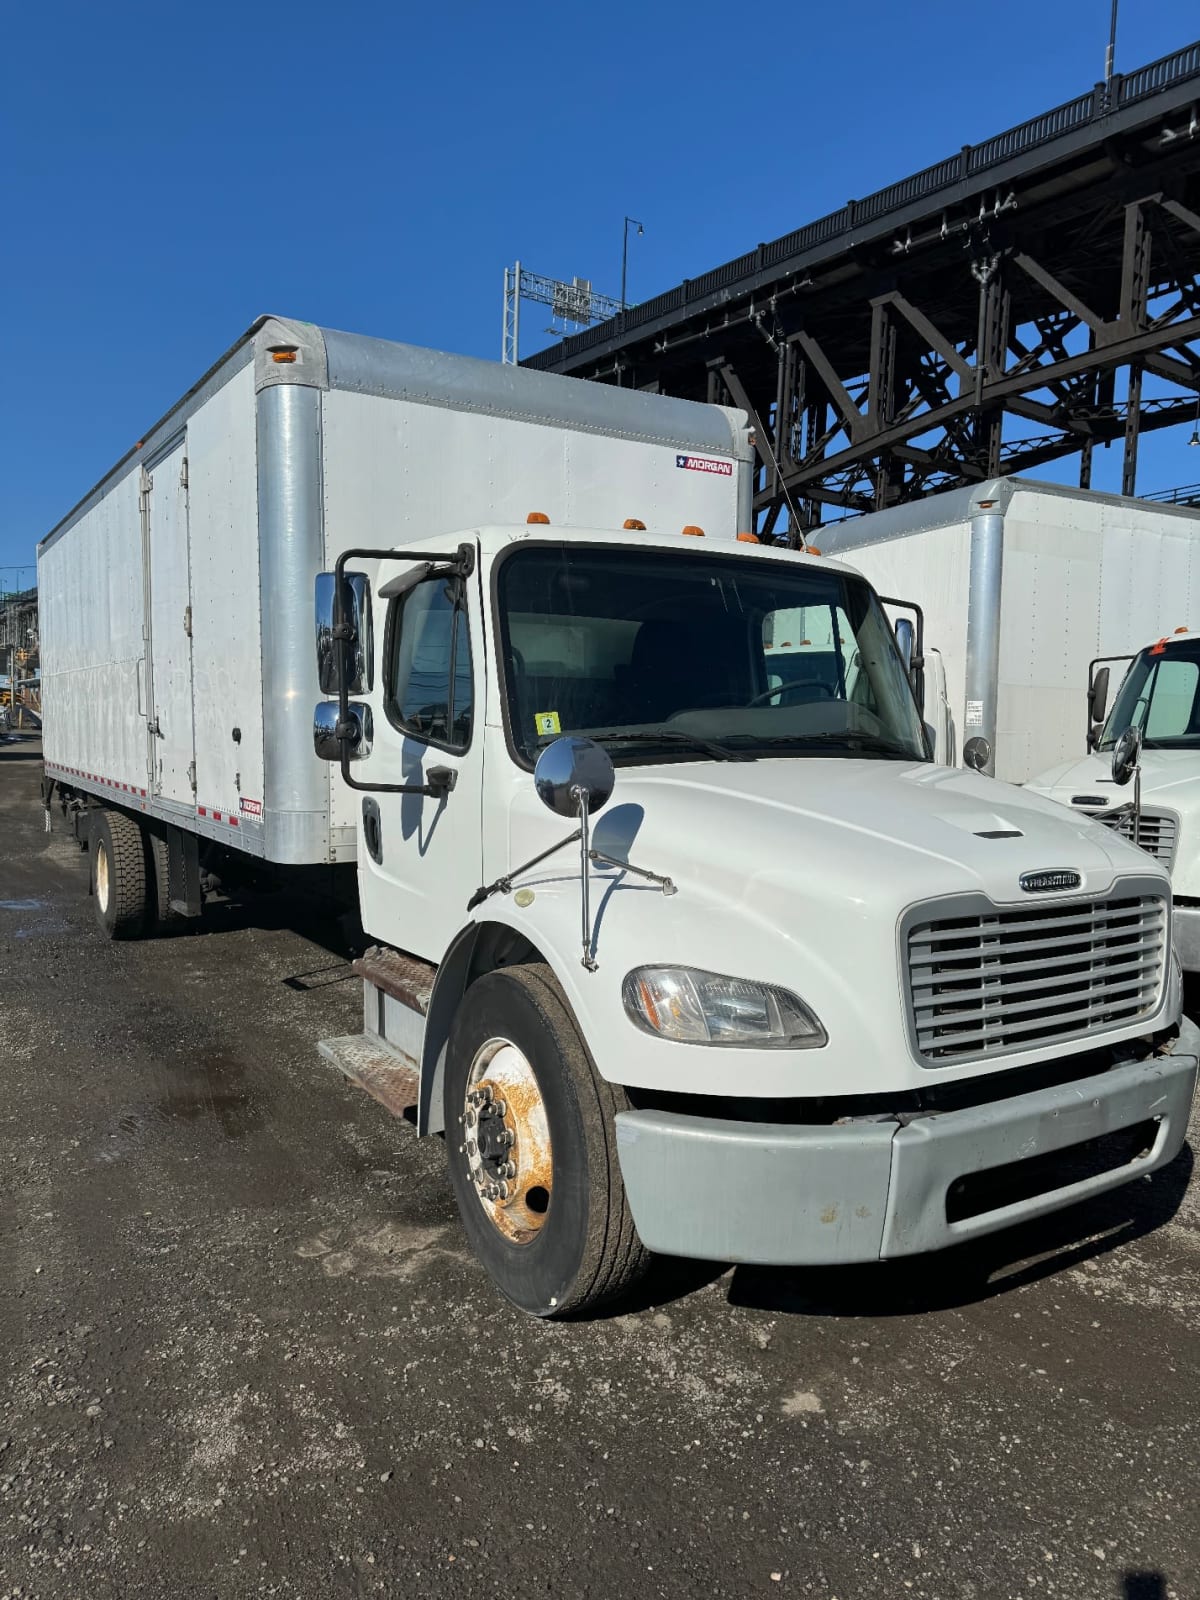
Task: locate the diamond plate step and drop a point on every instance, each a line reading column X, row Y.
column 403, row 977
column 384, row 1073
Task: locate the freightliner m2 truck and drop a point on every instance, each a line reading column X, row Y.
column 1022, row 585
column 1159, row 698
column 680, row 938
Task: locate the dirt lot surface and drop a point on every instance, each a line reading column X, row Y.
column 246, row 1353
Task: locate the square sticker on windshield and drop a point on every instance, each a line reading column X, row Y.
column 546, row 722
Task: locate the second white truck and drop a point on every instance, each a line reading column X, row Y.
column 1158, row 697
column 683, row 942
column 1022, row 585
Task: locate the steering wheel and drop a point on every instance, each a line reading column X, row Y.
column 821, row 690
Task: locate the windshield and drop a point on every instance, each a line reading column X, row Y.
column 1159, row 696
column 663, row 656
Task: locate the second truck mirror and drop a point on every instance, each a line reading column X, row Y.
column 905, row 638
column 1098, row 696
column 358, row 651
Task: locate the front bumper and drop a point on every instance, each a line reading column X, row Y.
column 788, row 1195
column 1185, row 923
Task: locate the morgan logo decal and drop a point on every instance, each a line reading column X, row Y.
column 250, row 808
column 723, row 469
column 1049, row 882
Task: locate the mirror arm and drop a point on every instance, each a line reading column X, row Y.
column 667, row 885
column 504, row 885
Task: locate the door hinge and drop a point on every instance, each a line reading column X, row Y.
column 187, row 621
column 192, row 775
column 183, row 481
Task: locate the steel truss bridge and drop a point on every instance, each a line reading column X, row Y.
column 1028, row 298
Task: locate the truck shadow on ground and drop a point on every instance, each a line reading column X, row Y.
column 968, row 1274
column 964, row 1275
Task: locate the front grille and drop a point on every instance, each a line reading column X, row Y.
column 1155, row 834
column 994, row 982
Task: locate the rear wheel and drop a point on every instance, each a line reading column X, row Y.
column 531, row 1144
column 118, row 850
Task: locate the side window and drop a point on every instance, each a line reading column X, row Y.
column 429, row 688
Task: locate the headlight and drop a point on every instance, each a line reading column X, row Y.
column 695, row 1007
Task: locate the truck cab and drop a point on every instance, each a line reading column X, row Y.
column 685, row 944
column 1159, row 696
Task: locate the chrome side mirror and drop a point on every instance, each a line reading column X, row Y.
column 906, row 636
column 358, row 652
column 1126, row 754
column 328, row 738
column 574, row 775
column 977, row 752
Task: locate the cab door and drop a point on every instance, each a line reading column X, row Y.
column 421, row 855
column 171, row 727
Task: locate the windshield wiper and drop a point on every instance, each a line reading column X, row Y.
column 712, row 747
column 866, row 742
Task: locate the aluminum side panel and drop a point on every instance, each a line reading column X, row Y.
column 1084, row 576
column 931, row 566
column 91, row 621
column 226, row 634
column 380, row 488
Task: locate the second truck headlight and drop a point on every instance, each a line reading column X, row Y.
column 696, row 1007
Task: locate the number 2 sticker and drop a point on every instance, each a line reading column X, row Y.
column 546, row 722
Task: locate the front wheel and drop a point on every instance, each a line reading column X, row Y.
column 532, row 1148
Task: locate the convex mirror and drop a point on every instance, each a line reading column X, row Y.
column 977, row 752
column 359, row 734
column 566, row 767
column 1126, row 752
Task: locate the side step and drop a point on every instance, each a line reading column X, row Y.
column 383, row 1058
column 372, row 1064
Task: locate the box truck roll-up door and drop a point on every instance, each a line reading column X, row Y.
column 172, row 742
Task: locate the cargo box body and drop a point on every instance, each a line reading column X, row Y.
column 177, row 599
column 1023, row 585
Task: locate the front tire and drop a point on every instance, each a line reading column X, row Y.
column 118, row 851
column 532, row 1149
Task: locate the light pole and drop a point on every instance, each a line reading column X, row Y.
column 625, row 255
column 1110, row 53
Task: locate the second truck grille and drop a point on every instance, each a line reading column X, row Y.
column 1155, row 835
column 1001, row 981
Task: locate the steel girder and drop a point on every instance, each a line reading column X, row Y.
column 1029, row 322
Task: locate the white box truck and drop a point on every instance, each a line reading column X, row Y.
column 682, row 940
column 1023, row 585
column 1159, row 697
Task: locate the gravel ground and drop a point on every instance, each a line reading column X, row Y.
column 245, row 1351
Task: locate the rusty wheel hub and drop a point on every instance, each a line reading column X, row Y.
column 506, row 1140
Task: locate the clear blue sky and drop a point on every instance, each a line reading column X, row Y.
column 169, row 172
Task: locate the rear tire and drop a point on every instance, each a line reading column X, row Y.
column 118, row 852
column 561, row 1238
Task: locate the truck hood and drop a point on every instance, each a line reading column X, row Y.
column 919, row 829
column 797, row 873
